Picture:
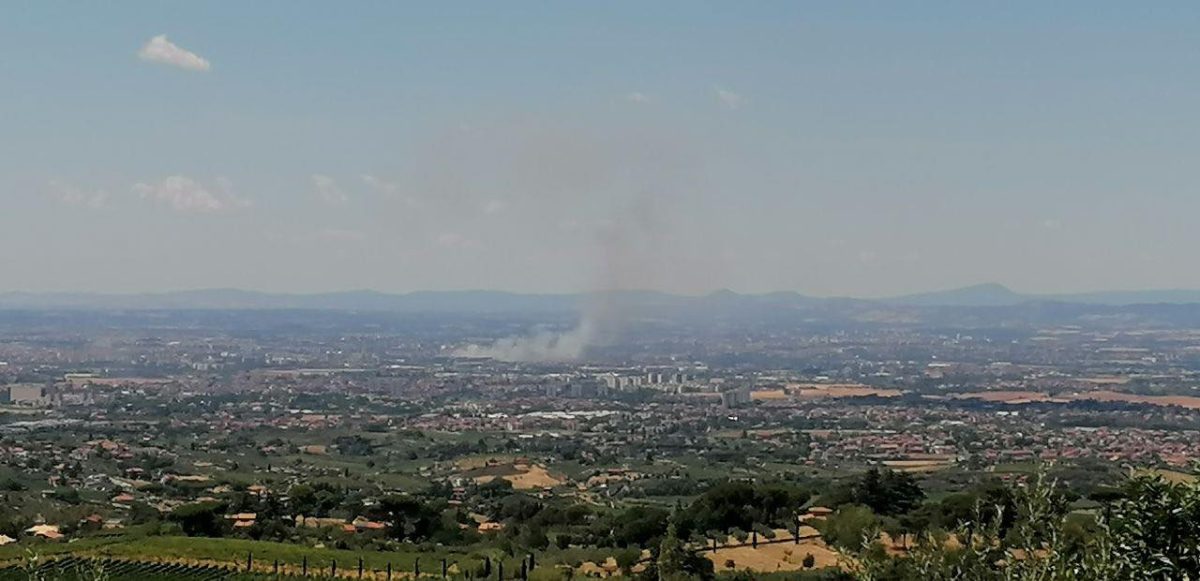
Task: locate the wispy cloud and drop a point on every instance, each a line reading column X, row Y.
column 638, row 97
column 184, row 194
column 493, row 207
column 389, row 189
column 729, row 98
column 163, row 51
column 71, row 195
column 329, row 190
column 380, row 185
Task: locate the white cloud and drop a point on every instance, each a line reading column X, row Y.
column 161, row 50
column 380, row 185
column 71, row 195
column 492, row 207
column 454, row 240
column 637, row 97
column 391, row 190
column 729, row 98
column 1052, row 224
column 184, row 194
column 329, row 191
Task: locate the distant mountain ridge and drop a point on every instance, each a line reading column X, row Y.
column 364, row 300
column 481, row 301
column 998, row 295
column 980, row 295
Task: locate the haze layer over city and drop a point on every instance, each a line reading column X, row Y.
column 655, row 291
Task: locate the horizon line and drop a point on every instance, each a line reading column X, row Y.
column 305, row 293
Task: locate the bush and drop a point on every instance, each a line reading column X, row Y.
column 200, row 519
column 1150, row 532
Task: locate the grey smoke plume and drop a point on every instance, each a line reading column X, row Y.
column 621, row 190
column 629, row 246
column 542, row 347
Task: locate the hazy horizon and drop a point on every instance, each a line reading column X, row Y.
column 862, row 150
column 976, row 286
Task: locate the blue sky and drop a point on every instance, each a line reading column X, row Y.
column 840, row 148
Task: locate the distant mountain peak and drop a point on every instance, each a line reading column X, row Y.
column 988, row 294
column 994, row 287
column 723, row 293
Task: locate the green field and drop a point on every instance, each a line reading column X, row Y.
column 234, row 552
column 232, row 555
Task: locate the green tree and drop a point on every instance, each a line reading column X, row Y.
column 140, row 513
column 672, row 557
column 887, row 492
column 627, row 558
column 200, row 519
column 848, row 526
column 741, row 505
column 410, row 518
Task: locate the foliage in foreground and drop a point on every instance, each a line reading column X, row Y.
column 1149, row 530
column 1152, row 532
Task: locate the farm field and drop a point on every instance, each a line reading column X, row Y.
column 232, row 552
column 1173, row 476
column 1020, row 397
column 522, row 476
column 919, row 465
column 230, row 555
column 768, row 558
column 1185, row 401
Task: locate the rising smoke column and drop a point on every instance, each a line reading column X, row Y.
column 629, row 246
column 621, row 188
